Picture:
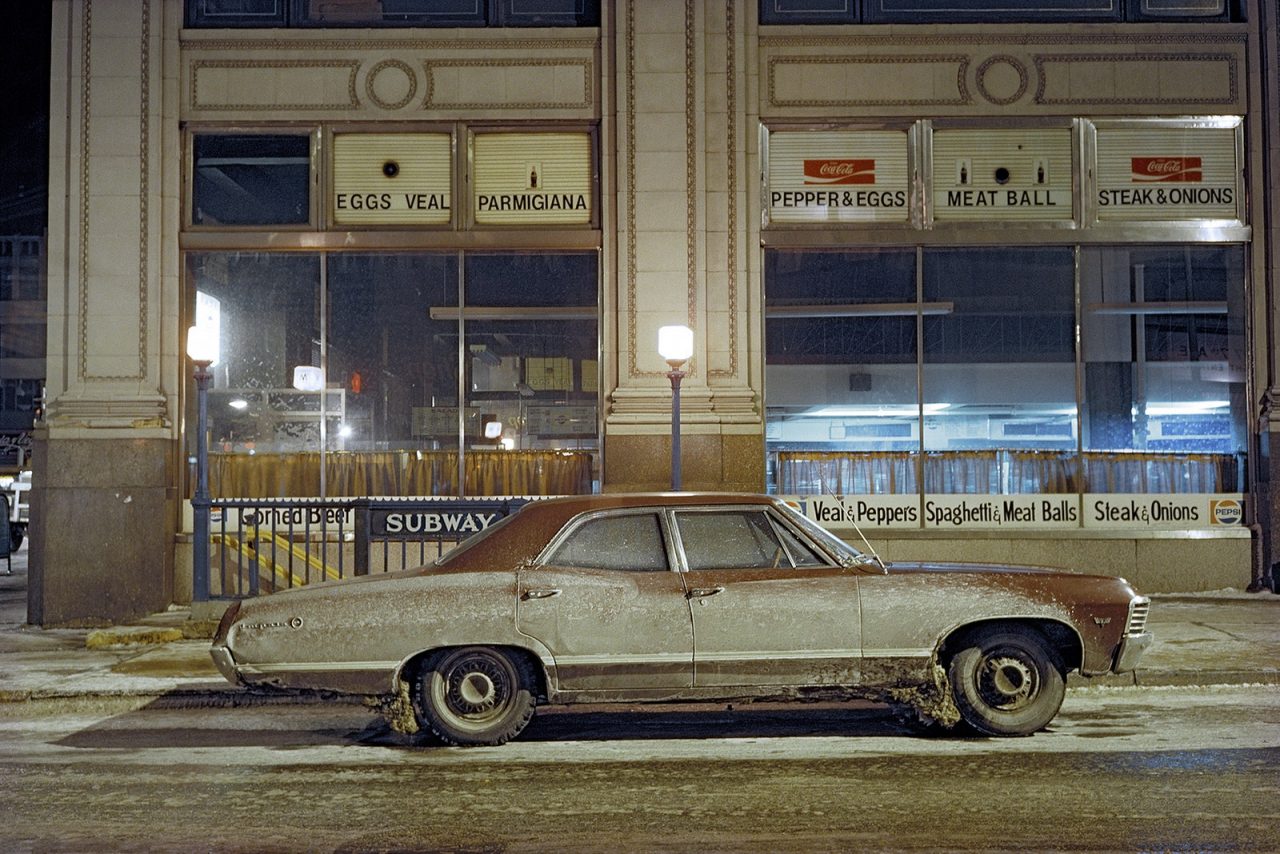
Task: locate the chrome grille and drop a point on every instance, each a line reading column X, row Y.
column 1138, row 610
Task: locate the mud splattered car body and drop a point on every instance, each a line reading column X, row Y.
column 685, row 596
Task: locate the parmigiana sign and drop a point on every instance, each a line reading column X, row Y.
column 537, row 178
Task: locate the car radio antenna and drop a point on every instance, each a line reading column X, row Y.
column 870, row 548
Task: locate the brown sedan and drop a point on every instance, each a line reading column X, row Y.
column 682, row 596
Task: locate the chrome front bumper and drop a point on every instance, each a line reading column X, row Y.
column 1130, row 652
column 226, row 664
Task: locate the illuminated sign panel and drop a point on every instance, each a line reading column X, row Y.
column 838, row 176
column 1167, row 173
column 392, row 179
column 532, row 179
column 1005, row 174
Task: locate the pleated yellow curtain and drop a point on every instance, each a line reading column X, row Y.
column 399, row 473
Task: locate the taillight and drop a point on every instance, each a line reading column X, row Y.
column 228, row 617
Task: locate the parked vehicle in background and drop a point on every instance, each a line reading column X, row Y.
column 684, row 597
column 17, row 489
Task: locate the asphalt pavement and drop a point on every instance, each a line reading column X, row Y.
column 1226, row 637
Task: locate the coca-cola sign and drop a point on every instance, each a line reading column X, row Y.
column 1166, row 169
column 831, row 171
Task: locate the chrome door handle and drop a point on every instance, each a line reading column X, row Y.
column 701, row 592
column 543, row 593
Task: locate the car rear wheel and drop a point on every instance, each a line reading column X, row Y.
column 474, row 695
column 1006, row 681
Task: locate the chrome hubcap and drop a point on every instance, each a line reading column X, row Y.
column 1006, row 682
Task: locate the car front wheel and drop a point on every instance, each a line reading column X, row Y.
column 1006, row 681
column 474, row 695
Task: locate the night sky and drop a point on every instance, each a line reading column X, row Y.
column 24, row 112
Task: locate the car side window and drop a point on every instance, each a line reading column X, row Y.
column 737, row 539
column 801, row 554
column 627, row 542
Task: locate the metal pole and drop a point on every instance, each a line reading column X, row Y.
column 675, row 376
column 200, row 501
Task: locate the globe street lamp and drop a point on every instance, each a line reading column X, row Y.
column 675, row 344
column 202, row 349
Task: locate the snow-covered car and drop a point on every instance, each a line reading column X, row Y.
column 684, row 597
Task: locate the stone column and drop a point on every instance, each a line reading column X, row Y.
column 685, row 142
column 103, row 504
column 1266, row 492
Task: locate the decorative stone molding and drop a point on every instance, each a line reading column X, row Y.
column 312, row 77
column 92, row 365
column 408, row 80
column 1146, row 70
column 995, row 68
column 906, row 80
column 225, row 85
column 494, row 77
column 1140, row 80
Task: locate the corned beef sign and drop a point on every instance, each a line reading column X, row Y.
column 840, row 171
column 1166, row 169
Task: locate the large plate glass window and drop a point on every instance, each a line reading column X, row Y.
column 251, row 179
column 840, row 370
column 266, row 308
column 394, row 369
column 999, row 370
column 532, row 366
column 1163, row 333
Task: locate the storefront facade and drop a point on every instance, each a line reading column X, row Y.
column 988, row 290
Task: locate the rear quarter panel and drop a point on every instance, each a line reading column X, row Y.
column 382, row 620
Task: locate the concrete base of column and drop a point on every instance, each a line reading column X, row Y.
column 721, row 461
column 102, row 529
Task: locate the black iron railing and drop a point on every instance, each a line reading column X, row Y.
column 263, row 545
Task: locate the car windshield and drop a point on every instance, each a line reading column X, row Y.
column 846, row 554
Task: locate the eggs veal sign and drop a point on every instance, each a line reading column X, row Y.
column 392, row 179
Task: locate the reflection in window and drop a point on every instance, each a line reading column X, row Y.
column 741, row 539
column 999, row 364
column 1163, row 332
column 532, row 368
column 381, row 416
column 840, row 340
column 252, row 179
column 269, row 317
column 396, row 365
column 629, row 542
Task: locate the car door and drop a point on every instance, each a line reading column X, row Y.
column 608, row 603
column 766, row 608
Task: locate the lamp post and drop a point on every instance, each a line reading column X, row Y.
column 675, row 344
column 202, row 349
